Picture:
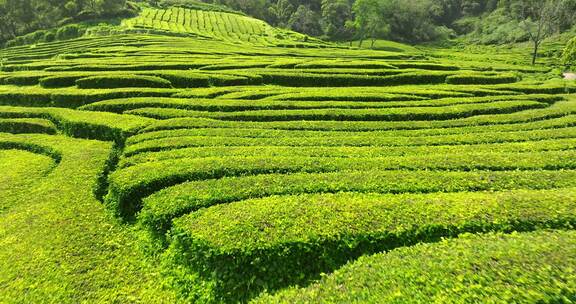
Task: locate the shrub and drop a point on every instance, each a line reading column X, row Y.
column 162, row 207
column 521, row 267
column 68, row 32
column 120, row 81
column 281, row 235
column 481, row 79
column 49, row 37
column 335, row 80
column 342, row 152
column 128, row 186
column 58, row 81
column 27, row 125
column 381, row 114
column 569, row 54
column 348, row 141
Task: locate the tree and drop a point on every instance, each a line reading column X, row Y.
column 539, row 19
column 335, row 13
column 368, row 20
column 110, row 7
column 304, row 20
column 569, row 55
column 281, row 11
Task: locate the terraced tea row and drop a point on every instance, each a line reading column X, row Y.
column 216, row 25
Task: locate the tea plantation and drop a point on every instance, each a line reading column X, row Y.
column 207, row 157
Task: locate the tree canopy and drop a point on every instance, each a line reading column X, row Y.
column 19, row 17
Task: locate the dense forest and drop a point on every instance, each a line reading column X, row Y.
column 480, row 21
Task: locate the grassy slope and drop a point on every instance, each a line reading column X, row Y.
column 59, row 244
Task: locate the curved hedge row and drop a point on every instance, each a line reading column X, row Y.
column 344, row 152
column 129, row 185
column 160, row 208
column 481, row 79
column 117, row 81
column 385, row 114
column 534, row 267
column 554, row 123
column 225, row 105
column 351, row 141
column 27, row 125
column 73, row 97
column 558, row 109
column 302, row 79
column 271, row 241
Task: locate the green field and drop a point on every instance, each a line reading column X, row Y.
column 208, row 157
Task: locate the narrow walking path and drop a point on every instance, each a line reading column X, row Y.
column 570, row 76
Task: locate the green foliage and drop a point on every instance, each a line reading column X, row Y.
column 481, row 79
column 521, row 267
column 273, row 240
column 68, row 32
column 130, row 81
column 20, row 17
column 569, row 55
column 377, row 114
column 27, row 125
column 63, row 216
column 161, row 208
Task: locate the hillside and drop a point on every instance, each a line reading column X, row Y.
column 185, row 155
column 214, row 25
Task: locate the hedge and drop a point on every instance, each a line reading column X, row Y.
column 357, row 64
column 129, row 185
column 15, row 143
column 558, row 109
column 226, row 105
column 344, row 152
column 21, row 169
column 59, row 81
column 424, row 66
column 117, row 81
column 91, row 125
column 553, row 123
column 481, row 79
column 271, row 241
column 335, row 80
column 382, row 114
column 532, row 267
column 27, row 125
column 160, row 208
column 349, row 141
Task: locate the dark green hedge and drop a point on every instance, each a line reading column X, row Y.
column 129, row 185
column 535, row 267
column 380, row 114
column 162, row 207
column 126, row 81
column 481, row 79
column 27, row 125
column 342, row 80
column 266, row 244
column 373, row 140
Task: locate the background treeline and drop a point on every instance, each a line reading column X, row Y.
column 482, row 21
column 19, row 17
